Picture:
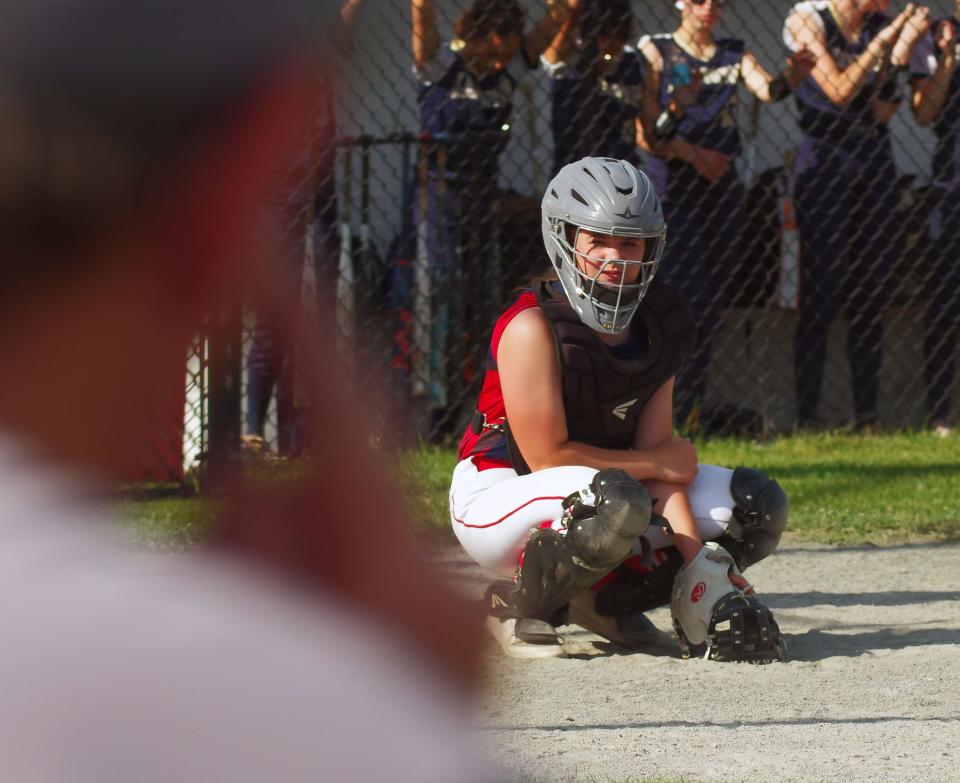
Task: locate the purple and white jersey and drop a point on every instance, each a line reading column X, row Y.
column 851, row 127
column 711, row 122
column 612, row 132
column 472, row 112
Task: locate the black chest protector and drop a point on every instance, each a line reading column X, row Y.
column 602, row 394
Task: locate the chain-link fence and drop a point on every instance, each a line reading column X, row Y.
column 812, row 219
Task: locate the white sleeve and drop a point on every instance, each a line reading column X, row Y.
column 555, row 70
column 810, row 10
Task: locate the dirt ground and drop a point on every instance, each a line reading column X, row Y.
column 871, row 690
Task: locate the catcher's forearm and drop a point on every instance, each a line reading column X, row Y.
column 672, row 503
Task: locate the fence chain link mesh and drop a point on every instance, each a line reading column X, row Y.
column 814, row 237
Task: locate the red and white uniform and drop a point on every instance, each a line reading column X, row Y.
column 493, row 509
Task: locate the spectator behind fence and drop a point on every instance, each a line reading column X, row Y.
column 845, row 191
column 304, row 201
column 936, row 102
column 596, row 83
column 690, row 120
column 465, row 92
column 137, row 139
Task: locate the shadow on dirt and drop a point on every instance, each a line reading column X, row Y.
column 692, row 724
column 885, row 598
column 818, row 644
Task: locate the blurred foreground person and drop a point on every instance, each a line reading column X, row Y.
column 134, row 141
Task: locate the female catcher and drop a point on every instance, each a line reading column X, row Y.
column 571, row 447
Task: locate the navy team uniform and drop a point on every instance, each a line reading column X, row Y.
column 942, row 284
column 704, row 218
column 845, row 199
column 613, row 131
column 474, row 114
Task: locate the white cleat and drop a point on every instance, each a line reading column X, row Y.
column 539, row 640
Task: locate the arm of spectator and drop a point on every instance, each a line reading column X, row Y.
column 804, row 30
column 655, row 433
column 547, row 27
column 348, row 13
column 650, row 101
column 532, row 396
column 883, row 111
column 913, row 32
column 930, row 91
column 888, row 95
column 348, row 23
column 563, row 40
column 710, row 164
column 769, row 88
column 426, row 40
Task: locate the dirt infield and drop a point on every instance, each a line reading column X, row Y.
column 871, row 691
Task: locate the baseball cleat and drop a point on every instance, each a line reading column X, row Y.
column 525, row 638
column 631, row 631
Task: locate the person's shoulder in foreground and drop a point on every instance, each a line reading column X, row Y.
column 132, row 186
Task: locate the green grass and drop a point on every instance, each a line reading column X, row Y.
column 169, row 523
column 850, row 489
column 844, row 489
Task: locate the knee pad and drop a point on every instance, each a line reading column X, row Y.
column 760, row 516
column 602, row 522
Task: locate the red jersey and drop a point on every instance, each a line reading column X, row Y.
column 489, row 448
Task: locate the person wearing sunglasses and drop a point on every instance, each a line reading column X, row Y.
column 571, row 446
column 691, row 126
column 845, row 192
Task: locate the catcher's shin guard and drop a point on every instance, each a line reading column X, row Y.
column 717, row 620
column 602, row 522
column 759, row 517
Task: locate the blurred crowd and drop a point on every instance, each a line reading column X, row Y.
column 668, row 102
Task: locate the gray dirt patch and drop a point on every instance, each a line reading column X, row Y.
column 871, row 691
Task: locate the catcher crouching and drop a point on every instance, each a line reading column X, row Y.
column 570, row 480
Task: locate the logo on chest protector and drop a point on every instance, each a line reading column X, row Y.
column 621, row 410
column 697, row 593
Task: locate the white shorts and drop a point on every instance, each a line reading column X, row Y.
column 494, row 510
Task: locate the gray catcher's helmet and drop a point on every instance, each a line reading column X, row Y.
column 605, row 196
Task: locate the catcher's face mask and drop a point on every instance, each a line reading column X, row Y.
column 613, row 272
